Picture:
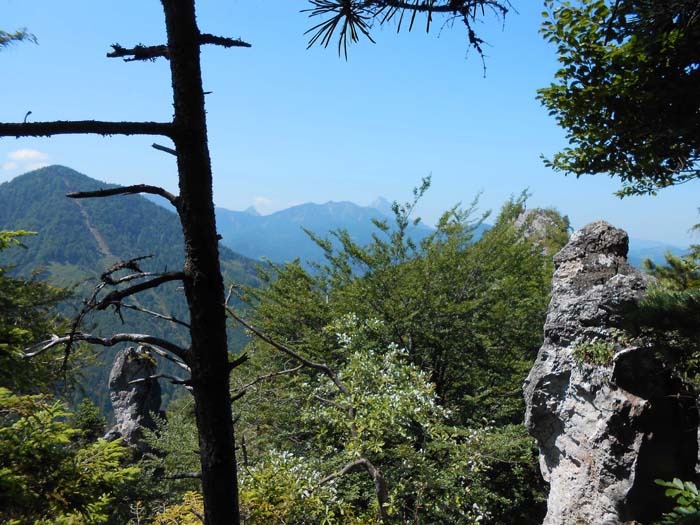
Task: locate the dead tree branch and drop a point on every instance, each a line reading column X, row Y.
column 164, row 148
column 115, row 297
column 324, row 369
column 90, row 127
column 173, row 379
column 157, row 315
column 206, row 38
column 130, row 264
column 150, row 340
column 166, row 355
column 141, row 52
column 127, row 190
column 242, row 390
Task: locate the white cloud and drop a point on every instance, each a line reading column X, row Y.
column 9, row 166
column 262, row 203
column 27, row 155
column 37, row 165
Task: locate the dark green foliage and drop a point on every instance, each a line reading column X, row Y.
column 89, row 421
column 628, row 89
column 468, row 312
column 50, row 476
column 687, row 509
column 27, row 315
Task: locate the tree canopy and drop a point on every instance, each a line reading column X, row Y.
column 431, row 341
column 628, row 90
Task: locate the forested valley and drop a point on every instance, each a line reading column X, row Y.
column 360, row 359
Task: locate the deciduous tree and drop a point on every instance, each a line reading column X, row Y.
column 628, row 90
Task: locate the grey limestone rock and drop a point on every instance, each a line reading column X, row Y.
column 609, row 417
column 133, row 402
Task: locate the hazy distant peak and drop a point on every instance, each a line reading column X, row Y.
column 382, row 205
column 250, row 210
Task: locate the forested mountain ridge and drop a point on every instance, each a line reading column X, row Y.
column 91, row 233
column 77, row 240
column 280, row 236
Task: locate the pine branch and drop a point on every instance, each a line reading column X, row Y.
column 139, row 52
column 92, row 127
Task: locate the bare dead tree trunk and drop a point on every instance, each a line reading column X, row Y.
column 204, row 287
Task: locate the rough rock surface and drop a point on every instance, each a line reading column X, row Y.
column 133, row 403
column 606, row 426
column 536, row 223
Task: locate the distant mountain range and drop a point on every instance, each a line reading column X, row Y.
column 655, row 250
column 280, row 236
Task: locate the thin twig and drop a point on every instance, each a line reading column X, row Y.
column 173, row 379
column 155, row 314
column 242, row 390
column 130, row 264
column 291, row 353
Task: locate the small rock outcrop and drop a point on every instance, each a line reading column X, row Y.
column 135, row 396
column 609, row 417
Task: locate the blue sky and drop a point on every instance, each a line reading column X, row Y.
column 289, row 125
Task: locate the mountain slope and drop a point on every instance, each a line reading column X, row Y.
column 78, row 239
